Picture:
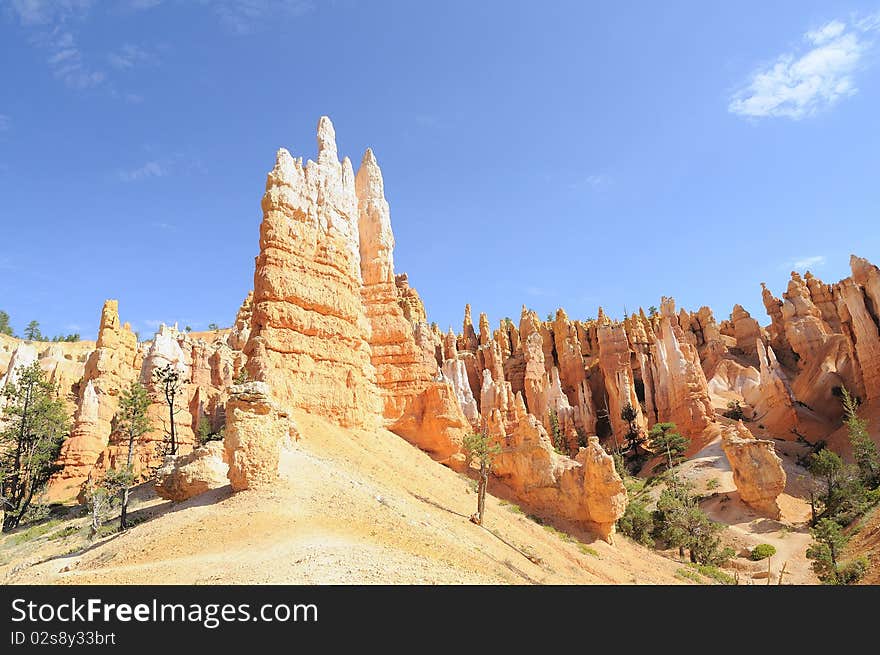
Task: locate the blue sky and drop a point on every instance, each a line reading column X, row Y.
column 554, row 154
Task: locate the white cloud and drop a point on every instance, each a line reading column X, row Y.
column 244, row 16
column 803, row 82
column 170, row 227
column 128, row 56
column 803, row 263
column 42, row 12
column 138, row 5
column 65, row 59
column 826, row 33
column 148, row 170
column 595, row 181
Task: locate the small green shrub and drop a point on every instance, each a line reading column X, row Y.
column 734, row 410
column 637, row 523
column 688, row 574
column 33, row 532
column 762, row 551
column 586, row 550
column 714, row 573
column 66, row 532
column 853, row 571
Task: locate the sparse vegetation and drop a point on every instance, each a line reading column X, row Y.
column 825, row 551
column 690, row 574
column 864, row 449
column 714, row 573
column 32, row 532
column 205, row 431
column 712, row 483
column 242, row 376
column 637, row 523
column 557, row 437
column 133, row 423
column 681, row 523
column 32, row 331
column 35, row 426
column 734, row 410
column 667, row 442
column 762, row 551
column 102, row 496
column 5, row 328
column 634, row 435
column 477, row 446
column 170, row 384
column 587, row 550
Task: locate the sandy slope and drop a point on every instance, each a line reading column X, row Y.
column 352, row 507
column 746, row 528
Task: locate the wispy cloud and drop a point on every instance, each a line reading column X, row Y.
column 138, row 5
column 596, row 181
column 168, row 227
column 161, row 166
column 804, row 263
column 148, row 170
column 4, row 122
column 811, row 78
column 129, row 56
column 49, row 21
column 245, row 16
column 43, row 12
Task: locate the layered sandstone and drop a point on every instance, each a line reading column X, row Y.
column 256, row 430
column 614, row 361
column 309, row 331
column 111, row 368
column 757, row 469
column 184, row 476
column 585, row 490
column 681, row 393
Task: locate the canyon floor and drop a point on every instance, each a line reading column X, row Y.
column 356, row 507
column 352, row 507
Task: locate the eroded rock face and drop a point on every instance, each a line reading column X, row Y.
column 747, row 332
column 681, row 392
column 614, row 360
column 309, row 332
column 585, row 490
column 256, row 430
column 184, row 476
column 241, row 329
column 402, row 373
column 757, row 469
column 110, row 368
column 861, row 325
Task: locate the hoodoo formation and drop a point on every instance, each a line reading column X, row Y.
column 333, row 330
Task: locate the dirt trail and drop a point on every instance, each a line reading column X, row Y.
column 351, row 507
column 710, row 473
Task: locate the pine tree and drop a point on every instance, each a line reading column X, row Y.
column 477, row 446
column 667, row 442
column 170, row 383
column 133, row 423
column 864, row 449
column 35, row 426
column 825, row 552
column 5, row 328
column 32, row 332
